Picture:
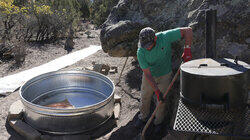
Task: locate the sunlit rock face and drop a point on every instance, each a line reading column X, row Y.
column 119, row 35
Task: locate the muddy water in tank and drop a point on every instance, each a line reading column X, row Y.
column 77, row 98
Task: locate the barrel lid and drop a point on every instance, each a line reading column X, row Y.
column 215, row 67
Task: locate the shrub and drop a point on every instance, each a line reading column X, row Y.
column 9, row 18
column 40, row 20
column 53, row 18
column 84, row 8
column 100, row 9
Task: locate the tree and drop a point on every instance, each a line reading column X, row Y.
column 84, row 8
column 100, row 9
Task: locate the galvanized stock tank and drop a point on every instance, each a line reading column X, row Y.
column 215, row 82
column 90, row 94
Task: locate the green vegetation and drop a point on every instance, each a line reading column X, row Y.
column 46, row 20
column 84, row 8
column 40, row 20
column 100, row 9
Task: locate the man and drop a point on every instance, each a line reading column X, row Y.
column 154, row 56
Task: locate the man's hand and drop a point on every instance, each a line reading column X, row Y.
column 153, row 84
column 159, row 95
column 186, row 56
column 187, row 34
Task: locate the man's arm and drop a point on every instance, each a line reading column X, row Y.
column 187, row 34
column 150, row 79
column 153, row 84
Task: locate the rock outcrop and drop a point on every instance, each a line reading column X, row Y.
column 119, row 35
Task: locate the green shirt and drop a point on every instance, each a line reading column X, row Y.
column 158, row 59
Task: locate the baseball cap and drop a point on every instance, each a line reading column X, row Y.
column 146, row 37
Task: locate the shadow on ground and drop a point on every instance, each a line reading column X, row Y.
column 13, row 134
column 96, row 133
column 130, row 132
column 133, row 77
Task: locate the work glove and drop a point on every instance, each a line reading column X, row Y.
column 159, row 95
column 186, row 56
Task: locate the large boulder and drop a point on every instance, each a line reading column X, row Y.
column 119, row 34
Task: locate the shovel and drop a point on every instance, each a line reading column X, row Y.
column 164, row 96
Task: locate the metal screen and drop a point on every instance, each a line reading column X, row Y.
column 212, row 121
